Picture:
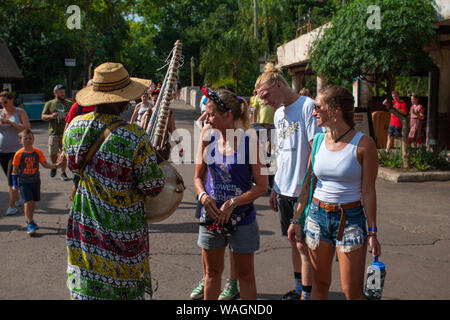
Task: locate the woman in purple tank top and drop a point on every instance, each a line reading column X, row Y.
column 227, row 161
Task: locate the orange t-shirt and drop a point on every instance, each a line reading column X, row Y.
column 28, row 163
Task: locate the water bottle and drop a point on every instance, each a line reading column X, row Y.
column 376, row 273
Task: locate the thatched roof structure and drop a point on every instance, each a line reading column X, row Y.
column 9, row 70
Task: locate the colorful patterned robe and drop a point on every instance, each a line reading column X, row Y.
column 107, row 233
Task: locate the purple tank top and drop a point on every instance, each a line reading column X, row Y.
column 230, row 176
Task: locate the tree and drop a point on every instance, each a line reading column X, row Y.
column 232, row 54
column 356, row 46
column 39, row 38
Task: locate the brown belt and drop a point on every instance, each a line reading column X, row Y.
column 328, row 207
column 335, row 208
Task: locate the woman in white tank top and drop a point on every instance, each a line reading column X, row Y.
column 140, row 109
column 346, row 166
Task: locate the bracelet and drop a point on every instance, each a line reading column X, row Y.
column 233, row 203
column 201, row 195
column 372, row 234
column 374, row 229
column 295, row 221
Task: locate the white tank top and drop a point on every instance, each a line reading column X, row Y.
column 338, row 173
column 142, row 110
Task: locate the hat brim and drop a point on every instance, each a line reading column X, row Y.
column 136, row 88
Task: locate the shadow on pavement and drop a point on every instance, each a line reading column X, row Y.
column 273, row 296
column 11, row 227
column 39, row 233
column 186, row 227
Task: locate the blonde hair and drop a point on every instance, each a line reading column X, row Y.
column 304, row 92
column 270, row 76
column 238, row 109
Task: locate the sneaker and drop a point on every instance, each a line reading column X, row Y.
column 291, row 295
column 64, row 177
column 230, row 291
column 52, row 172
column 31, row 228
column 11, row 211
column 198, row 292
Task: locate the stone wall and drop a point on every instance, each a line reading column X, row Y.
column 191, row 96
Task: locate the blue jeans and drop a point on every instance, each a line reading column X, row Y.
column 323, row 226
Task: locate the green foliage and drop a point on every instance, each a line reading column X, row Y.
column 424, row 160
column 141, row 34
column 407, row 85
column 37, row 35
column 393, row 159
column 224, row 81
column 349, row 48
column 420, row 158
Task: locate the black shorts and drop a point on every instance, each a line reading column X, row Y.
column 30, row 191
column 394, row 131
column 286, row 209
column 6, row 160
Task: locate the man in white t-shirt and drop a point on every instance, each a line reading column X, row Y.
column 295, row 128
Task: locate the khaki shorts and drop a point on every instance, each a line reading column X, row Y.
column 54, row 144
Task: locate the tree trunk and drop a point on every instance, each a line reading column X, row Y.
column 390, row 85
column 405, row 142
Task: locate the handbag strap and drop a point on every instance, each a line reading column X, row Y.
column 317, row 142
column 106, row 131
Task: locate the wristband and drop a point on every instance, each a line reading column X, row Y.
column 15, row 183
column 233, row 203
column 201, row 195
column 374, row 229
column 294, row 221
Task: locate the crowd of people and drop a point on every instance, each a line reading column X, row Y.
column 323, row 189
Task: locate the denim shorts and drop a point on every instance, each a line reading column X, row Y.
column 323, row 226
column 394, row 131
column 244, row 240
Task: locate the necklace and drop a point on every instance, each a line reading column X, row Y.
column 337, row 140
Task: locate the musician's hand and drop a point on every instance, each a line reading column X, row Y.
column 210, row 207
column 163, row 153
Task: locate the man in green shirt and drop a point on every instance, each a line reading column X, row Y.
column 55, row 112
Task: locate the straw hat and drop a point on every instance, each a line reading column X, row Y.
column 111, row 84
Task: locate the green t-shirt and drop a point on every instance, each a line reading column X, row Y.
column 56, row 126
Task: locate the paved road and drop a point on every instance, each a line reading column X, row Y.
column 413, row 221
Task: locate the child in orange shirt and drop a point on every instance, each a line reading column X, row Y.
column 25, row 175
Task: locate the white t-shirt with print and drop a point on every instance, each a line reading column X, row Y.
column 295, row 127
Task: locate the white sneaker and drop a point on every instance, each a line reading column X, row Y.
column 11, row 211
column 19, row 202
